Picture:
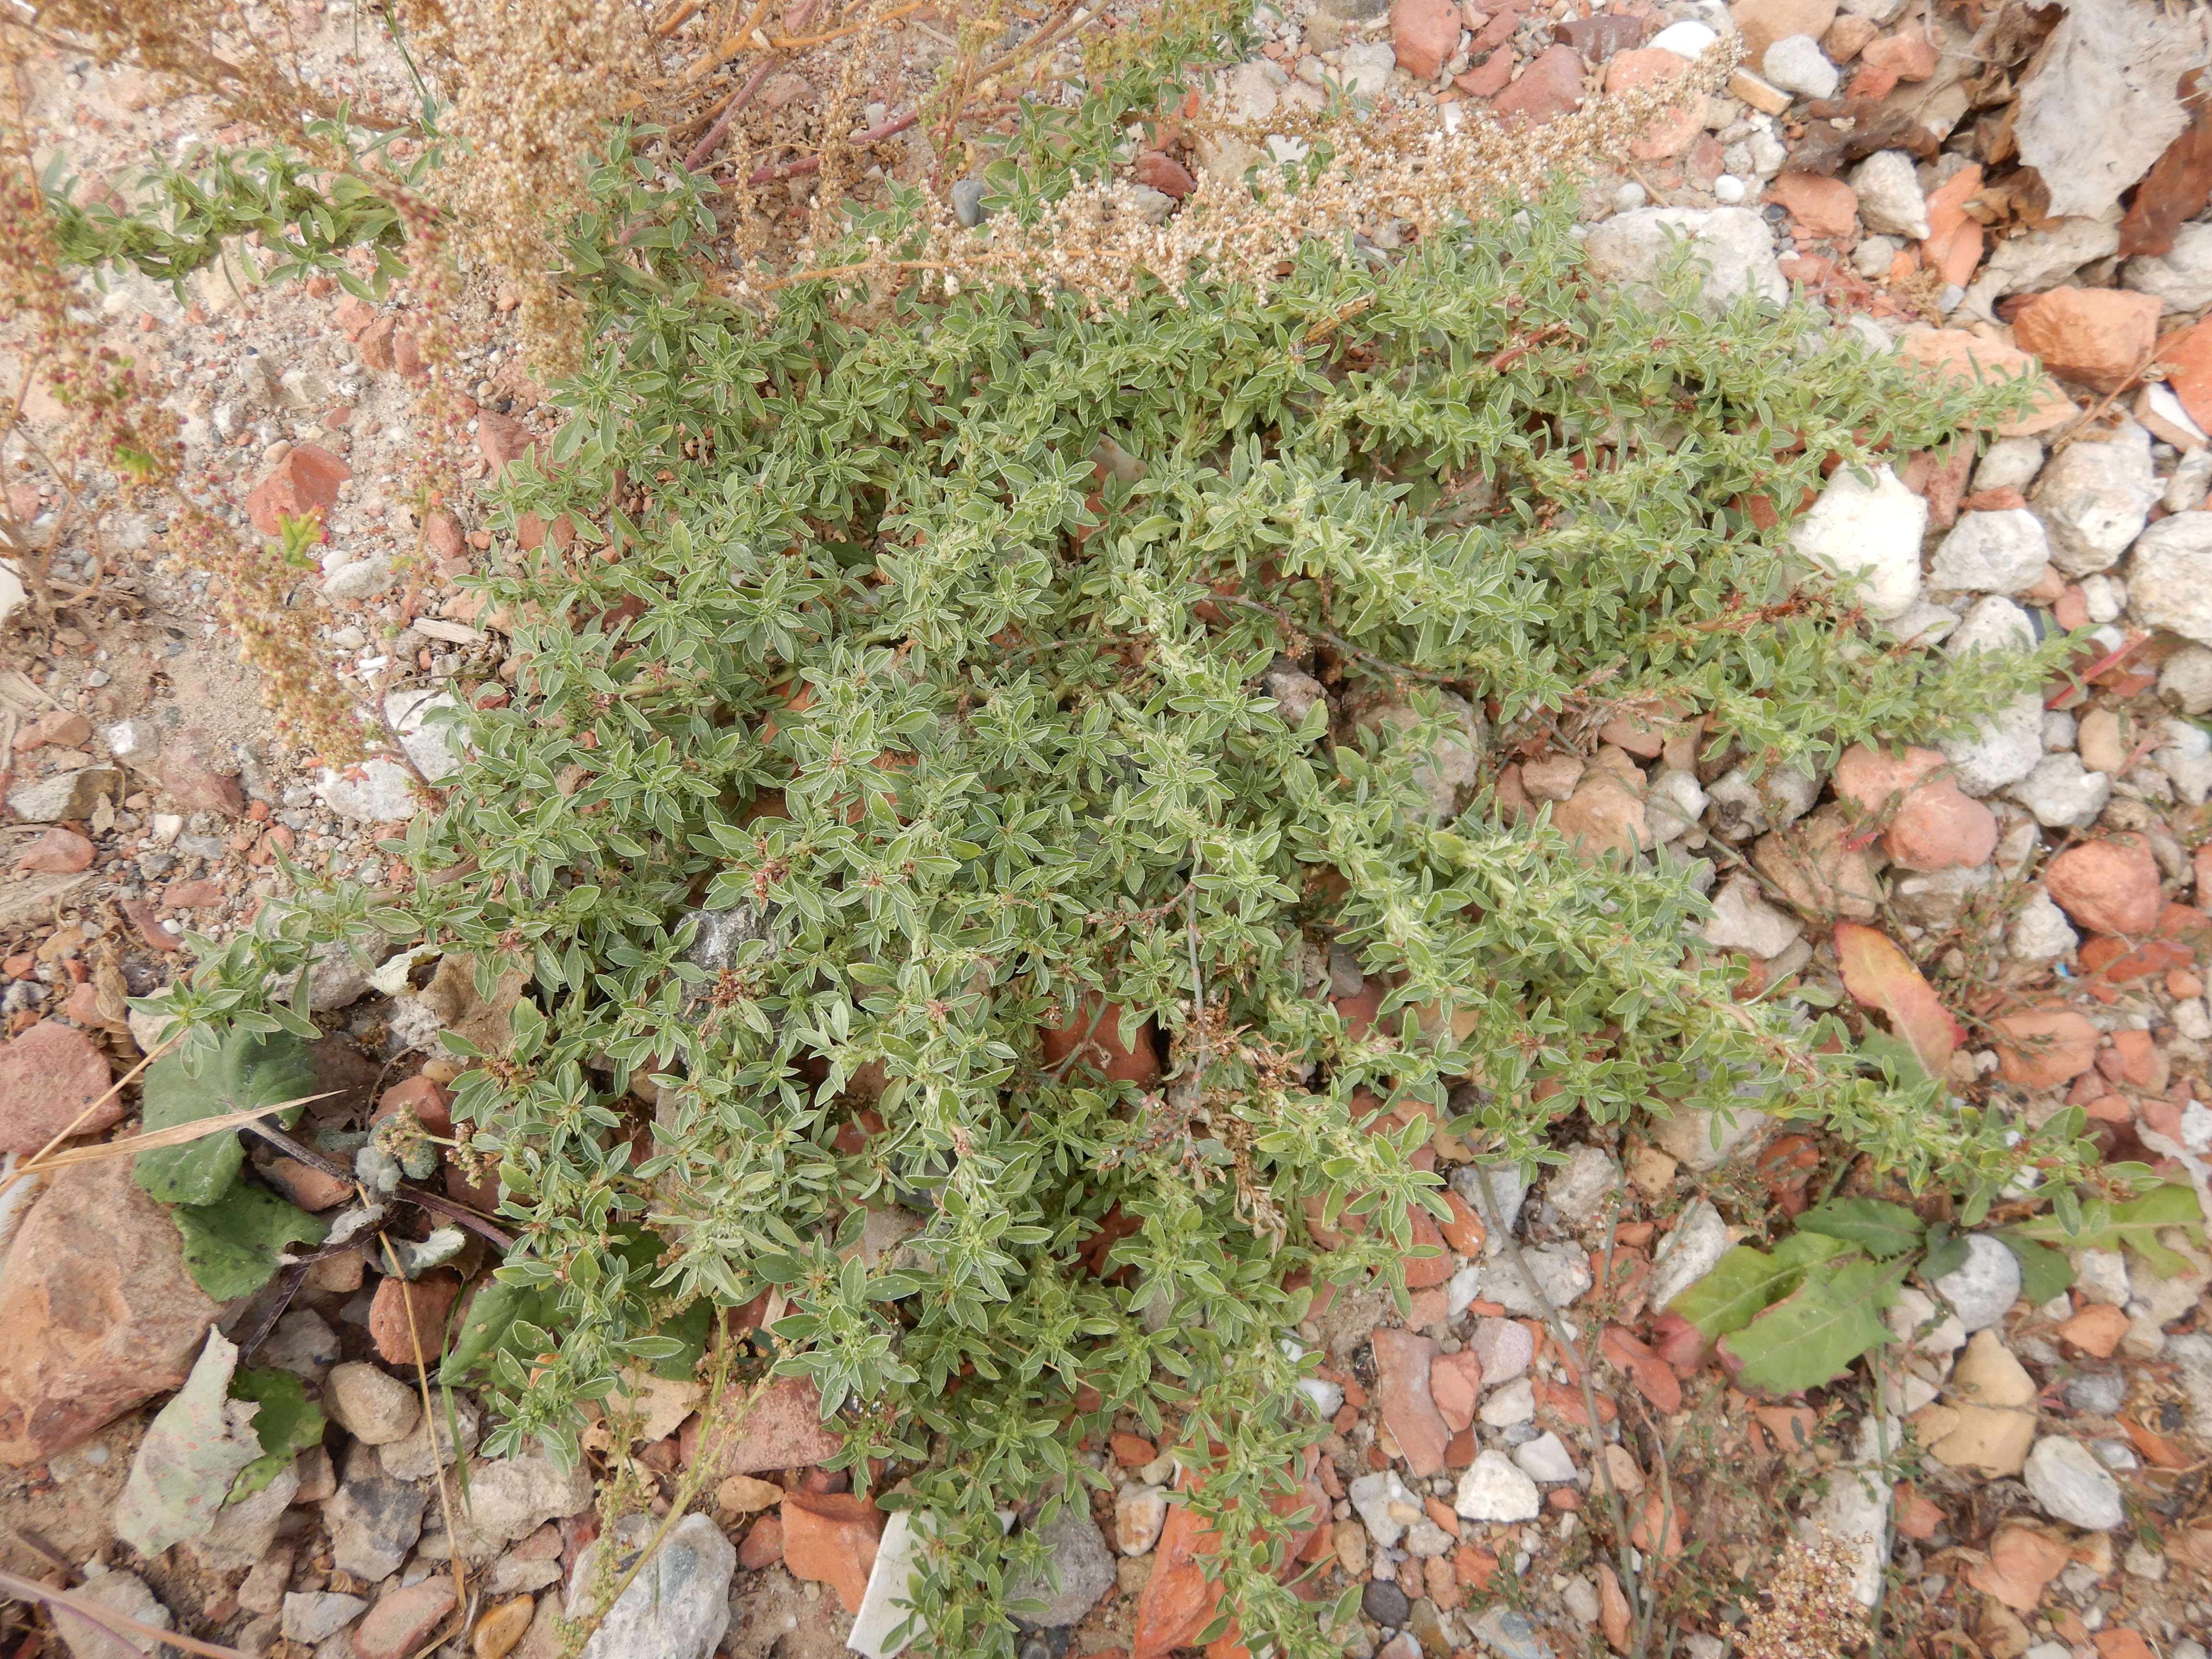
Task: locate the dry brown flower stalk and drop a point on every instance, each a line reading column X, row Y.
column 196, row 46
column 528, row 87
column 1423, row 174
column 116, row 421
column 1810, row 1612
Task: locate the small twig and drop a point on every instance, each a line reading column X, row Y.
column 1379, row 664
column 699, row 152
column 1630, row 1581
column 430, row 1431
column 811, row 164
column 1197, row 979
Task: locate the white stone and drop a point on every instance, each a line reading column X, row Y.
column 1367, row 67
column 2011, row 464
column 2191, row 481
column 2193, row 1019
column 1728, row 189
column 1515, row 1402
column 1743, row 921
column 1673, row 803
column 1494, row 1490
column 2094, row 498
column 2170, row 576
column 2185, row 756
column 1890, row 198
column 1874, row 256
column 1733, row 242
column 2195, row 1126
column 678, row 1605
column 1870, row 529
column 1579, row 1190
column 1876, row 12
column 2061, row 730
column 1797, row 63
column 311, row 1615
column 1386, row 1507
column 2039, row 929
column 1705, row 1139
column 2003, row 747
column 2072, row 1485
column 2042, row 258
column 1999, row 552
column 1983, row 1287
column 1697, row 1242
column 1687, row 38
column 1995, row 624
column 1546, row 1459
column 2185, row 680
column 885, row 1604
column 1751, row 807
column 2182, row 277
column 2103, row 596
column 1855, row 1511
column 1461, row 1290
column 382, row 792
column 2101, row 1276
column 1923, row 624
column 2100, row 107
column 1562, row 1273
column 2167, row 416
column 2063, row 794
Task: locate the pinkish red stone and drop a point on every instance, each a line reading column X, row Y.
column 1932, row 824
column 1424, row 34
column 2044, row 1049
column 2107, row 886
column 305, row 482
column 2099, row 337
column 1672, row 132
column 783, row 1430
column 1164, row 174
column 404, row 1620
column 48, row 1076
column 831, row 1538
column 430, row 1299
column 431, row 1104
column 59, row 852
column 1910, row 56
column 1403, row 1361
column 1824, row 208
column 1550, row 87
column 501, row 439
column 187, row 770
column 763, row 1545
column 99, row 1312
column 1455, row 1383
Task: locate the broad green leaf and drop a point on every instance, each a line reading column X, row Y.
column 287, row 1424
column 2134, row 1226
column 2043, row 1272
column 1812, row 1335
column 1746, row 1280
column 246, row 1071
column 231, row 1246
column 1882, row 1230
column 492, row 1313
column 193, row 1450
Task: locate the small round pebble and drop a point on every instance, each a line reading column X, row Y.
column 1728, row 189
column 1386, row 1604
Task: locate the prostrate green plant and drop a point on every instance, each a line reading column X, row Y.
column 895, row 718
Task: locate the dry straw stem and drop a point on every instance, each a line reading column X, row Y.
column 1427, row 173
column 121, row 1626
column 178, row 1135
column 462, row 1605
